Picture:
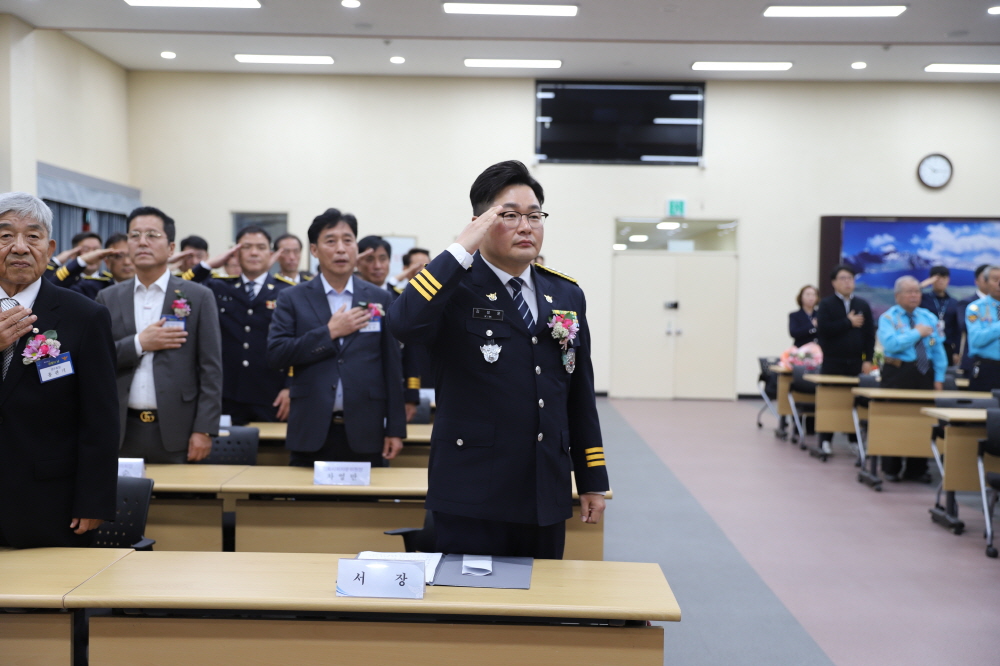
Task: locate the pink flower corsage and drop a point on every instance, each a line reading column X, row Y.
column 564, row 326
column 43, row 345
column 376, row 310
column 180, row 305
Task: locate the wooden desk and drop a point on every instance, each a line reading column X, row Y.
column 784, row 386
column 41, row 578
column 361, row 631
column 412, row 455
column 834, row 402
column 282, row 514
column 188, row 523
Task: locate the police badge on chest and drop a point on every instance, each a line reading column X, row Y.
column 491, row 351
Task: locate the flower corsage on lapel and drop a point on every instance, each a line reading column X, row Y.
column 43, row 345
column 376, row 311
column 564, row 327
column 180, row 306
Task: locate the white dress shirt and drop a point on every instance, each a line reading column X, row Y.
column 148, row 304
column 26, row 297
column 846, row 301
column 336, row 300
column 527, row 289
column 258, row 283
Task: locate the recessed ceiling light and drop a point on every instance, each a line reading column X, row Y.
column 638, row 238
column 677, row 121
column 168, row 55
column 668, row 226
column 619, row 246
column 509, row 9
column 199, row 4
column 858, row 65
column 686, row 97
column 530, row 64
column 993, row 10
column 351, row 4
column 283, row 59
column 545, row 95
column 838, row 11
column 963, row 69
column 397, row 60
column 742, row 66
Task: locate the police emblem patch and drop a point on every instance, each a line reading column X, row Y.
column 548, row 298
column 491, row 351
column 972, row 318
column 492, row 296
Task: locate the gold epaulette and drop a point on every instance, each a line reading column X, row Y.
column 286, row 280
column 107, row 274
column 396, row 288
column 554, row 272
column 99, row 278
column 220, row 276
column 305, row 277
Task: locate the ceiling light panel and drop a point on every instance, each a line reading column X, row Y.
column 962, row 69
column 509, row 9
column 249, row 58
column 525, row 64
column 198, row 4
column 741, row 66
column 834, row 11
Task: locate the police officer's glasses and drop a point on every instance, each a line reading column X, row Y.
column 512, row 218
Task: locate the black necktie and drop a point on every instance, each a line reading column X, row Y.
column 522, row 307
column 923, row 363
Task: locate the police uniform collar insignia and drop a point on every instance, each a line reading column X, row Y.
column 492, row 296
column 270, row 286
column 491, row 351
column 548, row 298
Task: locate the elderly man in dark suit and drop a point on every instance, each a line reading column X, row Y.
column 346, row 392
column 58, row 425
column 169, row 350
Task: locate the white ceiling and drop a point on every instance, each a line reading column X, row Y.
column 609, row 39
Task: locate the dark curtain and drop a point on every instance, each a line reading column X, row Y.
column 67, row 221
column 107, row 224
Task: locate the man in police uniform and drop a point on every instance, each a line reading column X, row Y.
column 120, row 268
column 962, row 359
column 84, row 260
column 288, row 254
column 982, row 323
column 515, row 406
column 915, row 358
column 250, row 390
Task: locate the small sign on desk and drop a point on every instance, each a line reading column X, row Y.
column 327, row 473
column 385, row 579
column 134, row 467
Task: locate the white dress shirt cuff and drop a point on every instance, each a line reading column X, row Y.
column 602, row 493
column 204, row 264
column 138, row 346
column 460, row 254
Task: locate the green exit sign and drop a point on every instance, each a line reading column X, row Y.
column 675, row 208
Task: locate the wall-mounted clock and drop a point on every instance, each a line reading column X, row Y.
column 934, row 171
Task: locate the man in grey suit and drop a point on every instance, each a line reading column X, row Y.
column 346, row 391
column 169, row 351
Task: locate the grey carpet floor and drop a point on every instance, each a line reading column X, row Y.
column 729, row 615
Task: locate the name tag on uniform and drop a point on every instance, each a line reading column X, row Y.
column 373, row 326
column 486, row 313
column 326, row 473
column 173, row 321
column 54, row 368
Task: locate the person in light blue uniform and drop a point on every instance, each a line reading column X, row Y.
column 915, row 358
column 982, row 324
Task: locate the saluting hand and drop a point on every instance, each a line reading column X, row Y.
column 857, row 320
column 473, row 234
column 13, row 324
column 220, row 260
column 154, row 337
column 91, row 258
column 344, row 321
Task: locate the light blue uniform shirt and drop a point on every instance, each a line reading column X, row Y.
column 982, row 325
column 899, row 339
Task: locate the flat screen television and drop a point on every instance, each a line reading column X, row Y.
column 595, row 122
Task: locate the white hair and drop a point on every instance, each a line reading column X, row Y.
column 903, row 281
column 26, row 206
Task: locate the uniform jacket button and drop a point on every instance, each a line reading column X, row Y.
column 460, row 442
column 538, row 369
column 246, row 363
column 250, row 311
column 541, row 403
column 534, row 340
column 246, row 328
column 540, row 436
column 489, row 333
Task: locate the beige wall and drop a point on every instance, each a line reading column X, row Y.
column 17, row 113
column 401, row 154
column 81, row 106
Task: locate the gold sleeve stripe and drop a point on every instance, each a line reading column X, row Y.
column 62, row 273
column 188, row 274
column 426, row 285
column 413, row 382
column 596, row 449
column 420, row 289
column 595, row 456
column 291, row 371
column 427, row 274
column 597, row 463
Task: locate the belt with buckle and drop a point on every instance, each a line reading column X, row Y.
column 894, row 362
column 144, row 415
column 338, row 418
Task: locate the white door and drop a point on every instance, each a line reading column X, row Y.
column 674, row 328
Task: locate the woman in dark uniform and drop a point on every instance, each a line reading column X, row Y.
column 802, row 324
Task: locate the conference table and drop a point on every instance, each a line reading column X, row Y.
column 210, row 608
column 279, row 509
column 896, row 425
column 963, row 428
column 784, row 386
column 39, row 580
column 415, row 453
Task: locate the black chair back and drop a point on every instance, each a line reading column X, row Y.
column 991, row 444
column 799, row 384
column 130, row 516
column 868, row 381
column 239, row 447
column 768, row 378
column 966, row 403
column 996, row 394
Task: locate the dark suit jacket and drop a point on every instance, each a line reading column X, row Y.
column 59, row 439
column 946, row 311
column 838, row 338
column 966, row 363
column 188, row 380
column 367, row 363
column 506, row 434
column 801, row 328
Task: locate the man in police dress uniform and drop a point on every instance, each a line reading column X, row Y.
column 515, row 409
column 250, row 390
column 982, row 323
column 120, row 268
column 915, row 358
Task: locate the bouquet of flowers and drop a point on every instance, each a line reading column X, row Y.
column 43, row 345
column 180, row 305
column 808, row 355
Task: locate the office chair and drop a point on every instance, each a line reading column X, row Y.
column 989, row 482
column 130, row 517
column 767, row 385
column 946, row 515
column 238, row 447
column 422, row 539
column 802, row 399
column 865, row 476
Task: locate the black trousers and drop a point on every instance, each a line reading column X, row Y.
column 985, row 375
column 335, row 448
column 475, row 536
column 906, row 376
column 143, row 440
column 849, row 367
column 243, row 413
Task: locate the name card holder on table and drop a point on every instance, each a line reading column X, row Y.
column 342, row 473
column 384, row 579
column 133, row 467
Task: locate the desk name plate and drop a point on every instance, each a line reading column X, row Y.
column 134, row 467
column 327, row 473
column 384, row 579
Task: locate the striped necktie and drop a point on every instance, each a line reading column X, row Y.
column 251, row 288
column 8, row 354
column 923, row 363
column 522, row 307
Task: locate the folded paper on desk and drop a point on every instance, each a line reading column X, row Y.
column 512, row 573
column 430, row 560
column 477, row 565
